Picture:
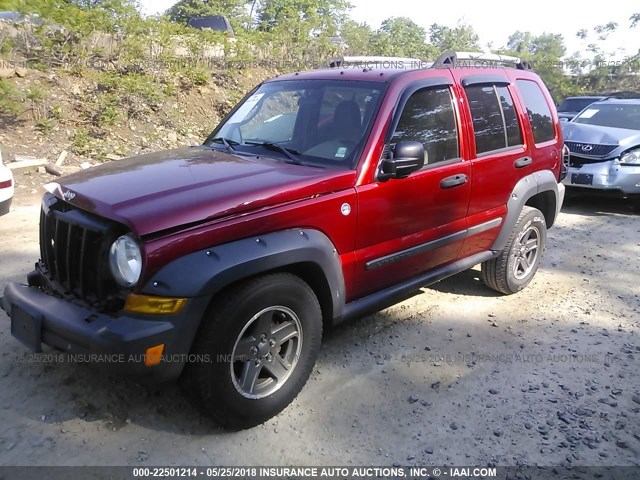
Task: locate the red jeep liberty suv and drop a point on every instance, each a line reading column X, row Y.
column 322, row 196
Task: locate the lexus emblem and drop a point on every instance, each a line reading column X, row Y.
column 586, row 148
column 69, row 195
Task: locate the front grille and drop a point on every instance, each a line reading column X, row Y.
column 577, row 162
column 74, row 253
column 590, row 149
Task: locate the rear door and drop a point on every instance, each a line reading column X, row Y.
column 544, row 126
column 411, row 225
column 499, row 153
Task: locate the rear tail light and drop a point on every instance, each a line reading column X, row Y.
column 6, row 184
column 565, row 163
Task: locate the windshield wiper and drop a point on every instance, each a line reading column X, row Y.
column 226, row 142
column 290, row 153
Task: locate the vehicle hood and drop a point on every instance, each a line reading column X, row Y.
column 595, row 134
column 158, row 191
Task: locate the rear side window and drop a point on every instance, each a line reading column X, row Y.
column 511, row 123
column 538, row 111
column 495, row 121
column 428, row 118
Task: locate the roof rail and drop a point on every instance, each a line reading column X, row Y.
column 623, row 95
column 451, row 59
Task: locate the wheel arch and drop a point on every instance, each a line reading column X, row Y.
column 539, row 190
column 312, row 274
column 307, row 253
column 545, row 202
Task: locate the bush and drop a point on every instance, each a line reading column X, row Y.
column 106, row 111
column 45, row 125
column 10, row 100
column 81, row 142
column 195, row 76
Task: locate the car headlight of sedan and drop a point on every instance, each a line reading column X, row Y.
column 125, row 260
column 632, row 157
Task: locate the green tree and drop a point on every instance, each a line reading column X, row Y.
column 234, row 10
column 306, row 17
column 604, row 31
column 357, row 36
column 112, row 15
column 548, row 45
column 459, row 39
column 520, row 42
column 401, row 37
column 84, row 16
column 546, row 52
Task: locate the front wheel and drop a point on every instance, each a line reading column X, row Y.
column 518, row 262
column 255, row 350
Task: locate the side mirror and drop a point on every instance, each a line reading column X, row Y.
column 407, row 157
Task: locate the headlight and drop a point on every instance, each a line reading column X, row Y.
column 125, row 260
column 631, row 158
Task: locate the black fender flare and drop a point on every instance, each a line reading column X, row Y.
column 209, row 271
column 527, row 187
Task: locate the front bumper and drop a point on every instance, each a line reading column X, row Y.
column 607, row 175
column 5, row 206
column 115, row 342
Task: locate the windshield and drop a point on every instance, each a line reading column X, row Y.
column 611, row 115
column 10, row 16
column 575, row 104
column 313, row 122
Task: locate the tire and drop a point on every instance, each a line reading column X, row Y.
column 275, row 321
column 518, row 262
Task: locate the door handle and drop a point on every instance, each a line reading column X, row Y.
column 523, row 162
column 454, row 181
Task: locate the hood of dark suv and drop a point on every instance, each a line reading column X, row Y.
column 582, row 134
column 162, row 190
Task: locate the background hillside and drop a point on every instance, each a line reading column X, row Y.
column 101, row 81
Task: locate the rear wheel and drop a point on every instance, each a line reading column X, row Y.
column 518, row 262
column 255, row 350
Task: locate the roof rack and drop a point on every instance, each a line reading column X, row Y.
column 451, row 59
column 377, row 62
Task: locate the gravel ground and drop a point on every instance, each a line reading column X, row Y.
column 456, row 375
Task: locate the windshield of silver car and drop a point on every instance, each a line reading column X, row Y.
column 615, row 115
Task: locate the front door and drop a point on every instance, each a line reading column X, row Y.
column 411, row 225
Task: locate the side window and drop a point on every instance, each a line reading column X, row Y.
column 428, row 117
column 495, row 121
column 538, row 110
column 512, row 125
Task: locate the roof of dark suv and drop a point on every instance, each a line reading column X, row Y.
column 621, row 101
column 576, row 104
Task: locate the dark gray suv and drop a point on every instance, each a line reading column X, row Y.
column 572, row 106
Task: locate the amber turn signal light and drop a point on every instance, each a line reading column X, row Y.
column 152, row 305
column 153, row 355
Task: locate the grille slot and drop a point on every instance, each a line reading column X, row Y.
column 596, row 150
column 73, row 249
column 577, row 162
